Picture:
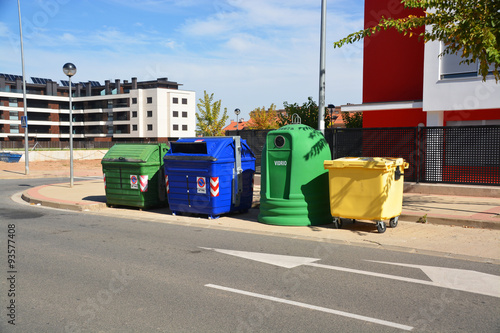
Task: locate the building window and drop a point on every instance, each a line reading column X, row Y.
column 14, row 129
column 150, row 127
column 452, row 68
column 175, row 114
column 184, row 127
column 134, row 114
column 13, row 102
column 176, row 127
column 150, row 114
column 134, row 100
column 14, row 115
column 184, row 114
column 175, row 100
column 150, row 100
column 184, row 101
column 134, row 127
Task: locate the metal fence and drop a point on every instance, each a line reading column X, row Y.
column 255, row 140
column 380, row 142
column 458, row 155
column 462, row 155
column 18, row 145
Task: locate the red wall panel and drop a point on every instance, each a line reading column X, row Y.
column 393, row 64
column 394, row 118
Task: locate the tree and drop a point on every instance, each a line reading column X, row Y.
column 469, row 28
column 354, row 120
column 207, row 117
column 308, row 113
column 262, row 119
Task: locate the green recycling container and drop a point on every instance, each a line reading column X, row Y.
column 134, row 175
column 294, row 184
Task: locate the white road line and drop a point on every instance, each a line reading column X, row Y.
column 314, row 307
column 381, row 275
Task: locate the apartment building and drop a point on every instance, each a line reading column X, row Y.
column 116, row 111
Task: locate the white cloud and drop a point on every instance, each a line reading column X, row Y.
column 211, row 27
column 67, row 37
column 169, row 44
column 4, row 30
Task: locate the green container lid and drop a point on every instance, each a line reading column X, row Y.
column 136, row 153
column 134, row 175
column 294, row 183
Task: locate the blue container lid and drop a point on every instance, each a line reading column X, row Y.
column 206, row 149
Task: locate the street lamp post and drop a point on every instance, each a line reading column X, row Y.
column 237, row 112
column 69, row 69
column 330, row 108
column 322, row 56
column 25, row 106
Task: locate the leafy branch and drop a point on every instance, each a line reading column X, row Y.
column 469, row 28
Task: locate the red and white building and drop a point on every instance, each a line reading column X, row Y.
column 407, row 84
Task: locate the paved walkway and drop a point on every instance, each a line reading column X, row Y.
column 456, row 226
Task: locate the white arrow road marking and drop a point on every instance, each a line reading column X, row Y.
column 451, row 278
column 273, row 259
column 314, row 307
column 459, row 279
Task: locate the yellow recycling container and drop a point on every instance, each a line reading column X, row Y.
column 367, row 188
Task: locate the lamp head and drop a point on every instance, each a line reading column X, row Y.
column 69, row 69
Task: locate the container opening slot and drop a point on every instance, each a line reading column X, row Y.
column 189, row 147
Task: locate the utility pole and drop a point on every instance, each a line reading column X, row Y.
column 322, row 55
column 26, row 140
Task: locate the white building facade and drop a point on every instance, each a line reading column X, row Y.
column 457, row 88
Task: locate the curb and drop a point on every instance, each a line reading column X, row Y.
column 30, row 196
column 452, row 221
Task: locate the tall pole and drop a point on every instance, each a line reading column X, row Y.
column 26, row 142
column 70, row 135
column 322, row 55
column 70, row 69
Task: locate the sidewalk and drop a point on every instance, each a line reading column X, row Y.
column 457, row 226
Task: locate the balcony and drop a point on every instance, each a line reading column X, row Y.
column 121, row 129
column 121, row 116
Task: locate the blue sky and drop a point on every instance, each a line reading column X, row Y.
column 249, row 53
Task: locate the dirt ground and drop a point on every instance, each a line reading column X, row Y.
column 51, row 168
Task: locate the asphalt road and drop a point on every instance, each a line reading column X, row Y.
column 78, row 272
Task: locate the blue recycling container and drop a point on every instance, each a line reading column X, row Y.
column 210, row 176
column 14, row 158
column 10, row 157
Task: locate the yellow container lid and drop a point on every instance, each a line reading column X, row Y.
column 385, row 163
